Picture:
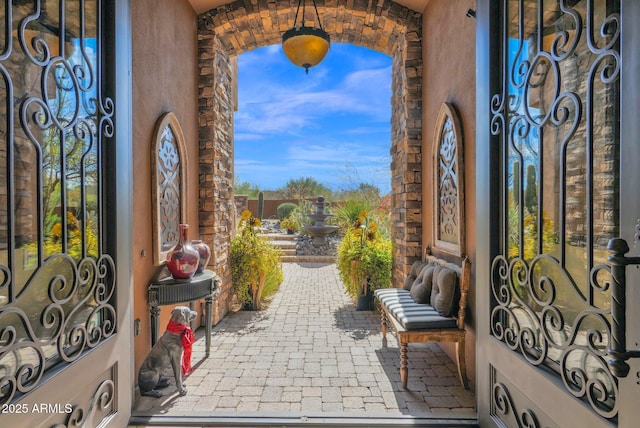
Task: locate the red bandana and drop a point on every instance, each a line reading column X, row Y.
column 187, row 341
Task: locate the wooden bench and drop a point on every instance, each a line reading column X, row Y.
column 439, row 319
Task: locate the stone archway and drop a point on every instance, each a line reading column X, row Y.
column 229, row 30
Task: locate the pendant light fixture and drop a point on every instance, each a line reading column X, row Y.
column 305, row 46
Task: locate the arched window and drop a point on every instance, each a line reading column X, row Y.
column 448, row 183
column 169, row 185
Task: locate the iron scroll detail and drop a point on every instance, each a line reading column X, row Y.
column 528, row 319
column 504, row 405
column 57, row 123
column 76, row 314
column 555, row 119
column 102, row 400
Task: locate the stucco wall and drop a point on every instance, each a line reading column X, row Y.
column 448, row 42
column 164, row 45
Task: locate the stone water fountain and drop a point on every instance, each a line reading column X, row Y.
column 319, row 231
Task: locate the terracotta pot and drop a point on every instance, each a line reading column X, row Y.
column 183, row 259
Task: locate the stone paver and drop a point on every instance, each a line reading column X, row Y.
column 310, row 351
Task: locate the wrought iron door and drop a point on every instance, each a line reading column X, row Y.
column 554, row 122
column 63, row 343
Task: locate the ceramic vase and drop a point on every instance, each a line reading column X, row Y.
column 183, row 259
column 205, row 254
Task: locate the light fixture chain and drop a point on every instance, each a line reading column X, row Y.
column 304, row 11
column 317, row 15
column 297, row 11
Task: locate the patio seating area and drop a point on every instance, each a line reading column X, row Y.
column 310, row 354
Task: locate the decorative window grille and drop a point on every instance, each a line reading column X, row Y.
column 448, row 183
column 169, row 161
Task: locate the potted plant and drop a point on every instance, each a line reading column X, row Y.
column 254, row 262
column 289, row 224
column 364, row 261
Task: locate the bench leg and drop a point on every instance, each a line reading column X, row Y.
column 383, row 318
column 460, row 361
column 404, row 369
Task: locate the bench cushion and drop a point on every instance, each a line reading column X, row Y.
column 409, row 314
column 414, row 316
column 391, row 295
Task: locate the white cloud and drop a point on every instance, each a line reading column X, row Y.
column 283, row 111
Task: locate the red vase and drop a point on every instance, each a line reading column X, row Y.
column 205, row 254
column 182, row 260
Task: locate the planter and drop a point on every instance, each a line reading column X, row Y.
column 365, row 302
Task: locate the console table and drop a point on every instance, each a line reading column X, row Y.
column 170, row 291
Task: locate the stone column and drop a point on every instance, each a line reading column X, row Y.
column 216, row 203
column 406, row 154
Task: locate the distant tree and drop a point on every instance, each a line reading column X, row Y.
column 531, row 189
column 245, row 188
column 362, row 191
column 273, row 194
column 305, row 187
column 355, row 187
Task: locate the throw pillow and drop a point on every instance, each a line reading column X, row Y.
column 416, row 267
column 419, row 293
column 445, row 293
column 421, row 289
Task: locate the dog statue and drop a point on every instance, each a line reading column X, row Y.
column 174, row 347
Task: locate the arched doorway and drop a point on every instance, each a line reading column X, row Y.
column 227, row 31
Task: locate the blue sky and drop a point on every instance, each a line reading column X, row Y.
column 332, row 124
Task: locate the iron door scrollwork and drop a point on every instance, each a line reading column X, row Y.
column 557, row 120
column 57, row 278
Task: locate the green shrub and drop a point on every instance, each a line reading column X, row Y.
column 256, row 269
column 284, row 210
column 348, row 211
column 289, row 223
column 365, row 259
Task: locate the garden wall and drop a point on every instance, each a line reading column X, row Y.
column 270, row 208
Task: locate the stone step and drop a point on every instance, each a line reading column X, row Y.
column 285, row 245
column 285, row 242
column 308, row 259
column 279, row 236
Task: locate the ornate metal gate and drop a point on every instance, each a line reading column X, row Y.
column 555, row 118
column 58, row 278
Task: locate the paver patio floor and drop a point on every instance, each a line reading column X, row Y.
column 311, row 353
